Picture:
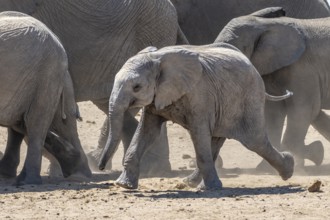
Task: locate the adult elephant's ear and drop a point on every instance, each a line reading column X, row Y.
column 180, row 70
column 27, row 7
column 273, row 12
column 276, row 47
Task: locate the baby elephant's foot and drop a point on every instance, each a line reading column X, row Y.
column 128, row 180
column 193, row 179
column 265, row 167
column 287, row 166
column 213, row 185
column 23, row 179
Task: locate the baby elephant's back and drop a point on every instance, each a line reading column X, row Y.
column 29, row 54
column 25, row 42
column 235, row 72
column 239, row 87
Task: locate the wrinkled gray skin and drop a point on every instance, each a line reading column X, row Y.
column 202, row 20
column 289, row 54
column 213, row 91
column 36, row 94
column 99, row 36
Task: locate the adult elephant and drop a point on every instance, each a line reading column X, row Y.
column 290, row 54
column 202, row 20
column 99, row 36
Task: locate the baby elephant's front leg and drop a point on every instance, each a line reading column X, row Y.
column 148, row 130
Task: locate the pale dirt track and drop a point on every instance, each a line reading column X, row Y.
column 245, row 196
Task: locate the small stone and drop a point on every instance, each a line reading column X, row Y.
column 181, row 186
column 315, row 187
column 183, row 168
column 186, row 156
column 192, row 163
column 90, row 122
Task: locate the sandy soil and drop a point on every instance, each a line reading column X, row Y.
column 246, row 194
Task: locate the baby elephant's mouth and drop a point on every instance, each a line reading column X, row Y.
column 135, row 104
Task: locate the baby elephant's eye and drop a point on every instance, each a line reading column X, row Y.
column 137, row 88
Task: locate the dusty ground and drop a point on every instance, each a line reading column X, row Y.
column 245, row 196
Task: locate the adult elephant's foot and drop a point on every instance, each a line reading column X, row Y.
column 315, row 152
column 7, row 170
column 151, row 166
column 299, row 165
column 24, row 179
column 93, row 158
column 1, row 155
column 218, row 163
column 214, row 184
column 128, row 179
column 287, row 166
column 194, row 179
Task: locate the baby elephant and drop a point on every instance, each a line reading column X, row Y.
column 213, row 91
column 36, row 99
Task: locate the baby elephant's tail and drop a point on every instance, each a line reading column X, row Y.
column 279, row 98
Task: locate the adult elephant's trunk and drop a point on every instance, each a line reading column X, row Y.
column 116, row 120
column 279, row 98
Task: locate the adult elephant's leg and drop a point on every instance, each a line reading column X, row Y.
column 11, row 157
column 94, row 155
column 196, row 177
column 298, row 121
column 315, row 150
column 275, row 113
column 156, row 160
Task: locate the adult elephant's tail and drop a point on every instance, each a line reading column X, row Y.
column 279, row 98
column 327, row 3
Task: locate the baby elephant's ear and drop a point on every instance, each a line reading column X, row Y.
column 148, row 50
column 273, row 12
column 180, row 70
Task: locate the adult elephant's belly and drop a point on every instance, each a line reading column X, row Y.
column 325, row 100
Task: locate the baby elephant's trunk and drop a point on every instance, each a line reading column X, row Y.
column 279, row 98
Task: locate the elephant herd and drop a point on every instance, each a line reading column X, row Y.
column 254, row 64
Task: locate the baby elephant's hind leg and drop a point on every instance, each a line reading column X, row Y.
column 283, row 162
column 195, row 177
